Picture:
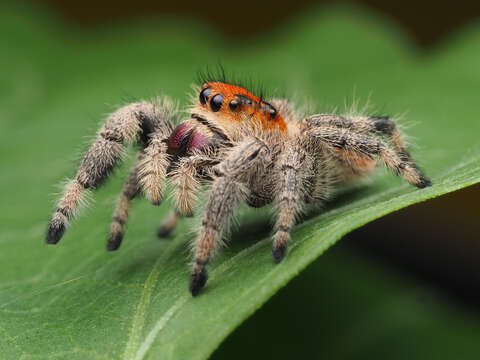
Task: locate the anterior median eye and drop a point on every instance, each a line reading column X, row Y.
column 204, row 95
column 216, row 102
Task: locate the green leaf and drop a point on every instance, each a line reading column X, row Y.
column 353, row 307
column 75, row 300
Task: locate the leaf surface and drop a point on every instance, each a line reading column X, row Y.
column 77, row 301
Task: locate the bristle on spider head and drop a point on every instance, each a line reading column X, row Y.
column 218, row 73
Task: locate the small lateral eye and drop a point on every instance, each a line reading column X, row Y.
column 216, row 102
column 271, row 111
column 234, row 104
column 204, row 95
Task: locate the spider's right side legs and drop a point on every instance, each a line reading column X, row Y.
column 347, row 140
column 368, row 125
column 122, row 127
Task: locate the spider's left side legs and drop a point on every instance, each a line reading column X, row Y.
column 185, row 177
column 124, row 126
column 228, row 187
column 129, row 191
column 152, row 167
column 168, row 223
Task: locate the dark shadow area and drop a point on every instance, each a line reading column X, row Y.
column 427, row 22
column 349, row 306
column 409, row 280
column 248, row 229
column 437, row 241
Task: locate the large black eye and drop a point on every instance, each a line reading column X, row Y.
column 216, row 102
column 204, row 95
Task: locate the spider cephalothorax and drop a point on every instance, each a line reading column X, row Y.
column 245, row 149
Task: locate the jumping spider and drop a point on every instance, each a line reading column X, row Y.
column 245, row 149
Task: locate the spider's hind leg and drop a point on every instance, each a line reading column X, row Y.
column 386, row 126
column 362, row 135
column 348, row 141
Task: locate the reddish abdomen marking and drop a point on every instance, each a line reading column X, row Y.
column 184, row 139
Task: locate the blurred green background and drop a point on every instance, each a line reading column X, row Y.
column 404, row 286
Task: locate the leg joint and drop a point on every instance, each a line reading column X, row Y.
column 283, row 228
column 209, row 225
column 201, row 262
column 65, row 211
column 383, row 124
column 119, row 220
column 110, row 135
column 288, row 166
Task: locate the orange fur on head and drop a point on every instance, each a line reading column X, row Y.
column 247, row 106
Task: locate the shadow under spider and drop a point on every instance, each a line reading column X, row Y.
column 251, row 225
column 251, row 228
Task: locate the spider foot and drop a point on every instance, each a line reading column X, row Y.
column 423, row 182
column 198, row 280
column 279, row 251
column 168, row 224
column 164, row 231
column 114, row 241
column 55, row 230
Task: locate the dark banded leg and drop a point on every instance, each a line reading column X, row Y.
column 122, row 127
column 227, row 188
column 382, row 125
column 372, row 146
column 129, row 191
column 368, row 125
column 385, row 126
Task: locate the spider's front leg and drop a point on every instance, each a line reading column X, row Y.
column 186, row 178
column 121, row 128
column 243, row 162
column 293, row 170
